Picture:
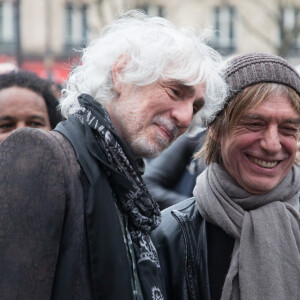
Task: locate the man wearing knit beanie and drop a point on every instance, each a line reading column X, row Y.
column 239, row 237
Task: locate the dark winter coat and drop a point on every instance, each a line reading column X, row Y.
column 183, row 240
column 171, row 176
column 54, row 244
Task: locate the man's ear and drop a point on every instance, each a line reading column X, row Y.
column 117, row 72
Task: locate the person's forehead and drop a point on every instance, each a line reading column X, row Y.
column 270, row 99
column 18, row 90
column 24, row 98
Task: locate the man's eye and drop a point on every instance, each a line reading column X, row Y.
column 254, row 125
column 35, row 124
column 177, row 92
column 196, row 108
column 6, row 125
column 290, row 130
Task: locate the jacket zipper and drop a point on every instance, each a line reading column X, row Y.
column 191, row 293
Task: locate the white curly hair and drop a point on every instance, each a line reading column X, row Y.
column 155, row 50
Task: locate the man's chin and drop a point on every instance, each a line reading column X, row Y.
column 146, row 147
column 147, row 151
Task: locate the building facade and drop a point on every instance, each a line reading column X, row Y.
column 45, row 35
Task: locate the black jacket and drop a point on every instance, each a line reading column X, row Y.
column 194, row 254
column 171, row 176
column 181, row 244
column 54, row 244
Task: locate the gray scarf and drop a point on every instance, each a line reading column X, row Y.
column 265, row 261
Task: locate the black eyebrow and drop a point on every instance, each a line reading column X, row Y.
column 37, row 117
column 189, row 90
column 294, row 121
column 6, row 118
column 10, row 118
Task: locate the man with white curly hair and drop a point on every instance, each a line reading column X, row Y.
column 75, row 213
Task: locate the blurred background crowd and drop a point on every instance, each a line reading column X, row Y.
column 44, row 36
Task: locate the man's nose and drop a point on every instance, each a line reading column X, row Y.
column 183, row 113
column 270, row 140
column 20, row 124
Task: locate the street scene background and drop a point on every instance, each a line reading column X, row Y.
column 44, row 36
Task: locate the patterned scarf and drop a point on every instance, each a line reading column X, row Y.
column 265, row 262
column 124, row 172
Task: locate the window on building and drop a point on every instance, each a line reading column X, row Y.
column 84, row 24
column 76, row 25
column 225, row 29
column 7, row 25
column 290, row 30
column 152, row 10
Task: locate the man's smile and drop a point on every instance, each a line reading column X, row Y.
column 263, row 163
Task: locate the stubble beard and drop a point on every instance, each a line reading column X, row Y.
column 144, row 147
column 141, row 145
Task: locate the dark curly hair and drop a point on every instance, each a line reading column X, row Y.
column 33, row 82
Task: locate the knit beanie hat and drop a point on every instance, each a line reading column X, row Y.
column 252, row 68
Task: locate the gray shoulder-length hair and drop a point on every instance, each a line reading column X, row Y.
column 154, row 50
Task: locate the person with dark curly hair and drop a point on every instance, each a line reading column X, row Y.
column 26, row 100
